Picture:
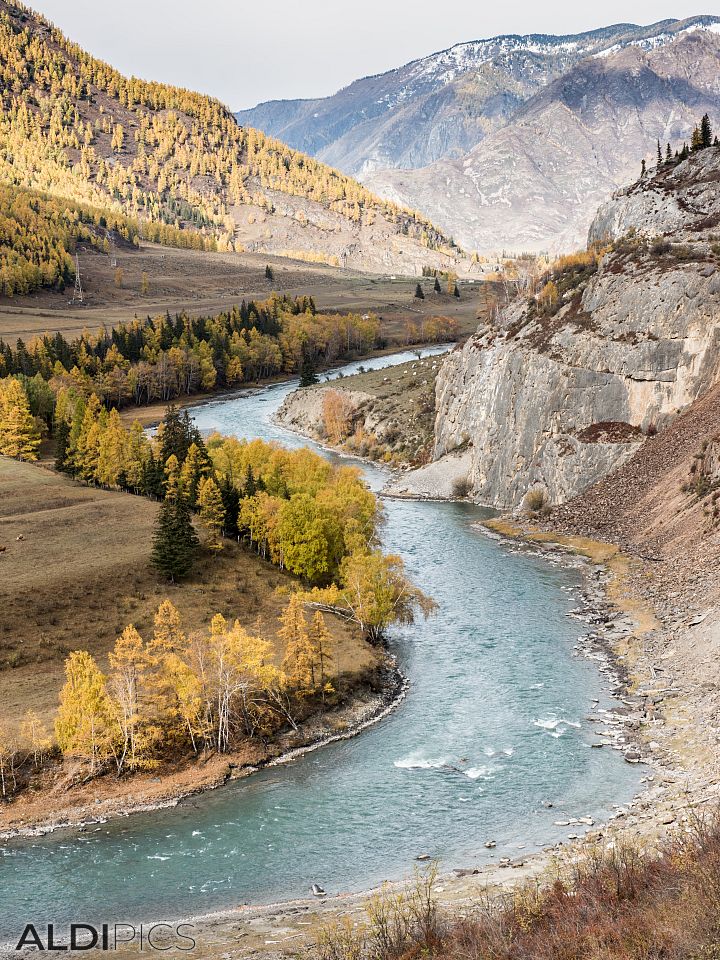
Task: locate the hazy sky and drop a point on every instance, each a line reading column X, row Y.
column 245, row 51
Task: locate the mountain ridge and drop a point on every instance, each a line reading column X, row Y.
column 323, row 126
column 535, row 183
column 74, row 126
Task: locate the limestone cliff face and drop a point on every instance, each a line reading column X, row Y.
column 556, row 398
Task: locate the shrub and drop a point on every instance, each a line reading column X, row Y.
column 461, row 487
column 535, row 500
column 660, row 247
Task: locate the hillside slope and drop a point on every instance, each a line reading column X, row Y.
column 442, row 105
column 435, row 107
column 73, row 126
column 535, row 183
column 567, row 385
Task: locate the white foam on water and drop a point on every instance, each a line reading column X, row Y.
column 415, row 761
column 474, row 773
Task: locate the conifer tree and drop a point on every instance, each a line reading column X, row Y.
column 436, row 287
column 419, row 295
column 696, row 142
column 111, row 452
column 706, row 136
column 175, row 542
column 269, row 275
column 231, row 505
column 456, row 291
column 321, row 645
column 19, row 435
column 659, row 155
column 62, row 439
column 308, row 374
column 83, row 725
column 212, row 512
column 298, row 660
column 195, row 469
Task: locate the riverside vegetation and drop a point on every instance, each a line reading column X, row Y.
column 208, row 692
column 166, row 357
column 619, row 903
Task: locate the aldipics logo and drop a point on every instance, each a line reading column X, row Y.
column 107, row 936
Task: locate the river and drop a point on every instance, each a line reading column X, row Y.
column 491, row 743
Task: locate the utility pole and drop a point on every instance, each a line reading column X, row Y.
column 78, row 296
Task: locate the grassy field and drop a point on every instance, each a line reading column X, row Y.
column 204, row 283
column 75, row 570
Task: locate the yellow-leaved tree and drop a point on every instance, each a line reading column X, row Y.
column 84, row 722
column 19, row 434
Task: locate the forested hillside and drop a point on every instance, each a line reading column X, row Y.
column 72, row 126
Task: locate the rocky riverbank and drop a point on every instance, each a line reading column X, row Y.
column 623, row 627
column 382, row 415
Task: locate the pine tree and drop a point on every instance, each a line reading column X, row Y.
column 269, row 275
column 19, row 435
column 436, row 287
column 696, row 142
column 212, row 512
column 308, row 374
column 231, row 504
column 456, row 291
column 643, row 169
column 419, row 295
column 659, row 155
column 175, row 542
column 668, row 154
column 706, row 135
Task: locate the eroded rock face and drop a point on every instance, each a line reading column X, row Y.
column 559, row 400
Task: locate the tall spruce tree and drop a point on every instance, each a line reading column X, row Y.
column 175, row 543
column 419, row 295
column 62, row 437
column 706, row 135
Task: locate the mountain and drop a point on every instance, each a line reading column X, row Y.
column 73, row 127
column 442, row 105
column 535, row 183
column 567, row 385
column 512, row 142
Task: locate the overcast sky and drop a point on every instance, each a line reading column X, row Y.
column 246, row 51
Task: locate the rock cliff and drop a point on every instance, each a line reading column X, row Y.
column 556, row 393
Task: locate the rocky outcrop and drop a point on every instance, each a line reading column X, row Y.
column 556, row 397
column 535, row 182
column 383, row 414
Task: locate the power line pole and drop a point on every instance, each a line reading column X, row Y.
column 78, row 295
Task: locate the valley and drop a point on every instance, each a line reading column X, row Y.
column 207, row 283
column 360, row 502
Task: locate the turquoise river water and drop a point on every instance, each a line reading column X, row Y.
column 492, row 730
